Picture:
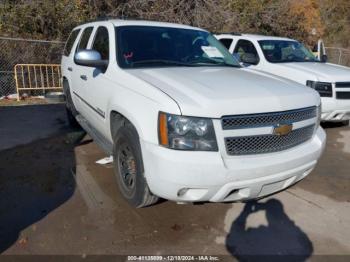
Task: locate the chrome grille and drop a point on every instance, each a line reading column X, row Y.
column 267, row 119
column 343, row 95
column 342, row 84
column 259, row 144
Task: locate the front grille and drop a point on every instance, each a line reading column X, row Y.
column 343, row 95
column 342, row 84
column 247, row 145
column 267, row 119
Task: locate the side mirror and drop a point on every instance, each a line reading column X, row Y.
column 324, row 58
column 90, row 58
column 249, row 59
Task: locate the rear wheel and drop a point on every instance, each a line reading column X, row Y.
column 71, row 118
column 128, row 168
column 70, row 108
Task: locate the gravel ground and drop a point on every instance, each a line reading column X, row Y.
column 56, row 200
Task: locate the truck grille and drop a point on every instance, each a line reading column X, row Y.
column 267, row 119
column 342, row 85
column 259, row 144
column 343, row 95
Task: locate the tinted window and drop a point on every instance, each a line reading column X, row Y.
column 226, row 42
column 70, row 42
column 84, row 38
column 284, row 51
column 245, row 47
column 101, row 42
column 148, row 46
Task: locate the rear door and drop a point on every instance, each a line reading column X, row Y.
column 246, row 48
column 67, row 62
column 227, row 42
column 79, row 73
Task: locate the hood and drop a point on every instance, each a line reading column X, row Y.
column 218, row 91
column 324, row 72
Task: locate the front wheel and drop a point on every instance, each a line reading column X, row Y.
column 346, row 122
column 128, row 168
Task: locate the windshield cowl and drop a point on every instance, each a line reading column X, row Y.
column 165, row 63
column 296, row 61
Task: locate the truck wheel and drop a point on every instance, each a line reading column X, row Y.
column 128, row 168
column 70, row 109
column 71, row 119
column 346, row 122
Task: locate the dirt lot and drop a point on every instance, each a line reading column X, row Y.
column 56, row 200
column 28, row 101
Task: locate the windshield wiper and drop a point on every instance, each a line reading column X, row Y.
column 309, row 61
column 206, row 62
column 213, row 62
column 299, row 61
column 161, row 61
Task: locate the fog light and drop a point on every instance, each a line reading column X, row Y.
column 182, row 191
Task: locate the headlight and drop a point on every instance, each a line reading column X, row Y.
column 323, row 88
column 186, row 133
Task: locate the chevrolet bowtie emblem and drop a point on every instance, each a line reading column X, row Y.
column 282, row 129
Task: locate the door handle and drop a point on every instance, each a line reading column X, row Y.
column 70, row 69
column 84, row 77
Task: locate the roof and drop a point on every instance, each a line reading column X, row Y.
column 256, row 37
column 122, row 22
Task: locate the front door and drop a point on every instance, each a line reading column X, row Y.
column 79, row 80
column 98, row 88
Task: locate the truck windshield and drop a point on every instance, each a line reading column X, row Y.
column 283, row 51
column 149, row 46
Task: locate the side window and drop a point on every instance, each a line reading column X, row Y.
column 84, row 40
column 70, row 42
column 226, row 42
column 247, row 52
column 101, row 42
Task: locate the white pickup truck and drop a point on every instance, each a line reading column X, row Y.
column 289, row 58
column 182, row 119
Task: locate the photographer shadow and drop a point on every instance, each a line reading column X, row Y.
column 280, row 240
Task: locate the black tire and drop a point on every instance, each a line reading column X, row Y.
column 71, row 119
column 346, row 122
column 70, row 108
column 128, row 168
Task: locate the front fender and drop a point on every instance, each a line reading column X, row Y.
column 141, row 111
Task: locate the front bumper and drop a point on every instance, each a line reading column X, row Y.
column 335, row 110
column 208, row 176
column 336, row 115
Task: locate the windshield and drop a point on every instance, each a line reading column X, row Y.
column 148, row 46
column 282, row 51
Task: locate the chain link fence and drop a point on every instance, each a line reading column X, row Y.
column 24, row 51
column 338, row 55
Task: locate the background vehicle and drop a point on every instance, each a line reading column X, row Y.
column 290, row 59
column 182, row 119
column 319, row 50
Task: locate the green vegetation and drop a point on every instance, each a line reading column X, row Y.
column 306, row 20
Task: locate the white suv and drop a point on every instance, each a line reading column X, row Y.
column 290, row 59
column 182, row 119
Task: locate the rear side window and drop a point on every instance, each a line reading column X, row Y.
column 70, row 42
column 101, row 42
column 226, row 42
column 244, row 47
column 84, row 40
